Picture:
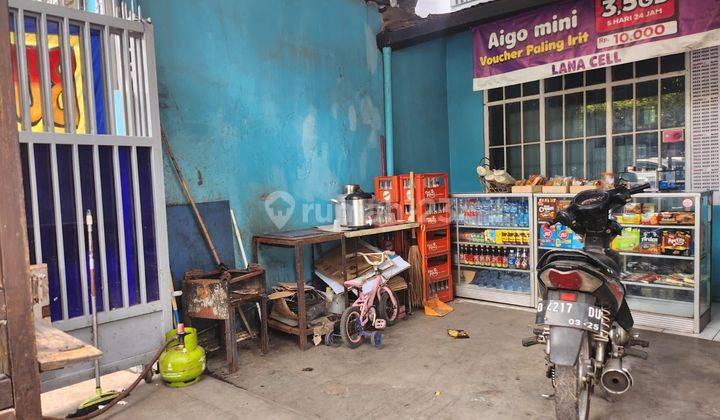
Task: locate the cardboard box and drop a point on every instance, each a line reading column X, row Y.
column 574, row 189
column 526, row 188
column 554, row 189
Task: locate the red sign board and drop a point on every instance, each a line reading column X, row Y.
column 612, row 15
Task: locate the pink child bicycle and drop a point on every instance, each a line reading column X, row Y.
column 375, row 306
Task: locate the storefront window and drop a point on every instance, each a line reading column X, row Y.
column 586, row 123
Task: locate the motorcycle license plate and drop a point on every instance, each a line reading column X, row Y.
column 569, row 314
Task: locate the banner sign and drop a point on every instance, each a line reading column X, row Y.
column 578, row 35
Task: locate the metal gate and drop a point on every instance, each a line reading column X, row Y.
column 89, row 126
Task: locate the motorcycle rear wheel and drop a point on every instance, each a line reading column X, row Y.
column 572, row 394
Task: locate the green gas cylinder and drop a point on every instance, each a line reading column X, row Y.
column 183, row 360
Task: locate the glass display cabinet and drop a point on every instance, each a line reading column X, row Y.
column 664, row 253
column 493, row 247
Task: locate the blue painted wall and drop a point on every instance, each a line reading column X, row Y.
column 438, row 118
column 465, row 116
column 265, row 96
column 420, row 108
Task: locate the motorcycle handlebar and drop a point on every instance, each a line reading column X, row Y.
column 638, row 189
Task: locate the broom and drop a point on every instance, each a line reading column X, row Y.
column 101, row 397
column 416, row 277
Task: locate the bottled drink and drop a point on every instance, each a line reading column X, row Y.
column 504, row 254
column 523, row 261
column 512, row 259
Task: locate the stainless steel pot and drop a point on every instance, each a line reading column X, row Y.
column 359, row 208
column 339, row 202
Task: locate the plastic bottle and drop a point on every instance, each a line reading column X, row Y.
column 512, row 259
column 523, row 261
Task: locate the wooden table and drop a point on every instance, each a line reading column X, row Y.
column 297, row 239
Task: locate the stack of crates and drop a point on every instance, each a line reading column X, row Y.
column 432, row 211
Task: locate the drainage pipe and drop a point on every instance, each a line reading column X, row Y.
column 387, row 70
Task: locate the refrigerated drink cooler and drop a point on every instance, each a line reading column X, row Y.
column 493, row 252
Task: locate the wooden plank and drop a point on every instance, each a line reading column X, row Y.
column 8, row 414
column 57, row 349
column 6, row 394
column 14, row 259
column 277, row 325
column 3, row 308
column 4, row 356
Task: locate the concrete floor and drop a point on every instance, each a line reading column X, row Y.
column 423, row 373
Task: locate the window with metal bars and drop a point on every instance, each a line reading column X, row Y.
column 583, row 124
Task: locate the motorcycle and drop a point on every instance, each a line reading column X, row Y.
column 583, row 319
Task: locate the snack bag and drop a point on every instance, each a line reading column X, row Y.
column 490, row 236
column 650, row 218
column 564, row 238
column 632, row 208
column 668, row 218
column 650, row 241
column 563, row 204
column 685, row 218
column 546, row 236
column 547, row 209
column 628, row 241
column 676, row 243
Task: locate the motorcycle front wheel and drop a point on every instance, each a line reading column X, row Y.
column 572, row 394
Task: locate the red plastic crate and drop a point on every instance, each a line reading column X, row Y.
column 431, row 186
column 434, row 242
column 442, row 288
column 433, row 213
column 387, row 188
column 437, row 272
column 405, row 191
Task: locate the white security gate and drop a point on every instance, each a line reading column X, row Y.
column 89, row 127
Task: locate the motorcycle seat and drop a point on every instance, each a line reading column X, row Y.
column 601, row 261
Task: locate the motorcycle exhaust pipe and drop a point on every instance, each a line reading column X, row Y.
column 616, row 377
